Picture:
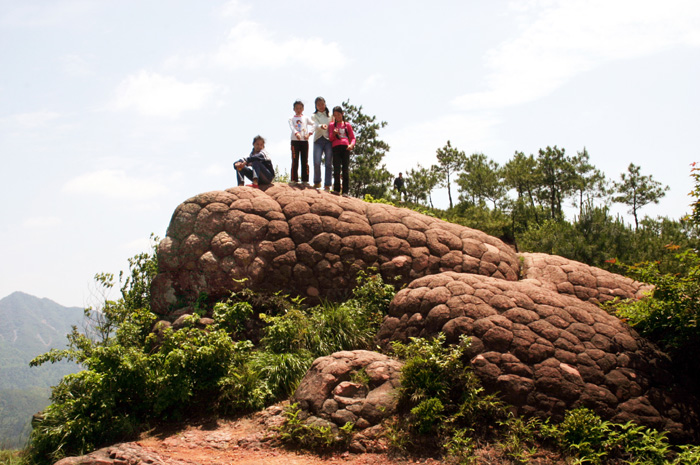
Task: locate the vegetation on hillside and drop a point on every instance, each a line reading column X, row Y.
column 139, row 373
column 135, row 377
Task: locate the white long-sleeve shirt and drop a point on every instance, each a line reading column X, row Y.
column 300, row 124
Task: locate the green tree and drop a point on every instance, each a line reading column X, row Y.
column 520, row 173
column 636, row 191
column 557, row 176
column 368, row 175
column 589, row 182
column 450, row 161
column 481, row 180
column 420, row 183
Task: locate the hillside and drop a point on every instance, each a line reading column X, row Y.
column 30, row 326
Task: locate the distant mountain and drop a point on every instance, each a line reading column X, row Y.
column 29, row 326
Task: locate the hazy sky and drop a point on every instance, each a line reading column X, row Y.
column 113, row 112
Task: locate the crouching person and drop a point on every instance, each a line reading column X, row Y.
column 257, row 167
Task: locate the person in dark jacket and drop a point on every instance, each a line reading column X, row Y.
column 257, row 167
column 398, row 184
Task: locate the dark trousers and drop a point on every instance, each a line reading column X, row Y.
column 255, row 170
column 300, row 149
column 341, row 160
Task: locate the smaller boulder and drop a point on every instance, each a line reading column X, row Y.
column 350, row 386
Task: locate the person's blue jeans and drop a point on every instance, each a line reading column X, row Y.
column 255, row 170
column 323, row 146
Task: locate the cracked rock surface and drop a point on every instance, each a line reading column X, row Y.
column 539, row 337
column 351, row 386
column 543, row 351
column 308, row 243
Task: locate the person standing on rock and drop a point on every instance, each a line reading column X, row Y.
column 299, row 125
column 398, row 185
column 322, row 145
column 257, row 167
column 343, row 141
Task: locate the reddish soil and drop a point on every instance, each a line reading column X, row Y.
column 248, row 441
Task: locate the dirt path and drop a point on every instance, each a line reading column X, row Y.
column 247, row 441
column 251, row 440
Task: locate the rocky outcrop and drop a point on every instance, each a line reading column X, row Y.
column 538, row 335
column 352, row 386
column 543, row 351
column 122, row 454
column 308, row 243
column 585, row 282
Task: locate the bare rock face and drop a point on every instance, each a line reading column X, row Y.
column 351, row 386
column 545, row 352
column 579, row 280
column 309, row 243
column 538, row 335
column 121, row 454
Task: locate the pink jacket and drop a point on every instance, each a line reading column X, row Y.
column 346, row 136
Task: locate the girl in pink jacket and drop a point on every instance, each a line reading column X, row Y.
column 343, row 141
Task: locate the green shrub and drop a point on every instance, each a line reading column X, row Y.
column 232, row 315
column 125, row 385
column 296, row 432
column 670, row 315
column 584, row 435
column 441, row 397
column 688, row 455
column 519, row 438
column 10, row 457
column 427, row 414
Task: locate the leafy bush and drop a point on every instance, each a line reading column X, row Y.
column 670, row 316
column 134, row 376
column 132, row 379
column 295, row 431
column 10, row 457
column 584, row 435
column 443, row 400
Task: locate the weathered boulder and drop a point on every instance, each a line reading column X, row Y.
column 578, row 279
column 350, row 386
column 122, row 454
column 539, row 337
column 308, row 243
column 543, row 351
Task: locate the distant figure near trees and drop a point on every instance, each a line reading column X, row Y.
column 257, row 167
column 398, row 184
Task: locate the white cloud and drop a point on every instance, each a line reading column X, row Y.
column 372, row 82
column 152, row 94
column 250, row 45
column 42, row 14
column 216, row 170
column 33, row 119
column 41, row 222
column 75, row 66
column 115, row 184
column 561, row 39
column 235, row 9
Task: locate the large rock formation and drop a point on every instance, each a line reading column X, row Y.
column 543, row 351
column 538, row 335
column 308, row 243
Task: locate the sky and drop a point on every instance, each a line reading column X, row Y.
column 113, row 112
